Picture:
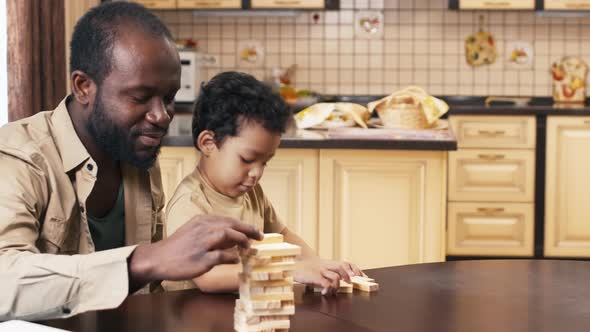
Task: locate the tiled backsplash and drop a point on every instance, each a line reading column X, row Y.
column 422, row 44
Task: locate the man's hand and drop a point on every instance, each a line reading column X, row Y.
column 325, row 273
column 196, row 247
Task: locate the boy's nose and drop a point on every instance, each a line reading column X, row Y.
column 256, row 173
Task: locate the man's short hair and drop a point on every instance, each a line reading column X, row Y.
column 231, row 99
column 95, row 34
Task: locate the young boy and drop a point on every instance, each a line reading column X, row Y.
column 237, row 126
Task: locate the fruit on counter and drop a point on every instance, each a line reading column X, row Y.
column 288, row 93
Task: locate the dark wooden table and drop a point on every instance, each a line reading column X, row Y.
column 493, row 295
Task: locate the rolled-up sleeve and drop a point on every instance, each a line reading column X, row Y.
column 34, row 285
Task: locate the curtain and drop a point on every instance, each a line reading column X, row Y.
column 36, row 56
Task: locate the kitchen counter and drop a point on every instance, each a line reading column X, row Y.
column 355, row 138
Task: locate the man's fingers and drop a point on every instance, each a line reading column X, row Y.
column 227, row 237
column 227, row 256
column 249, row 230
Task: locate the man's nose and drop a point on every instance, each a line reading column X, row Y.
column 158, row 114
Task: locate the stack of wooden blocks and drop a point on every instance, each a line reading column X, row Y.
column 266, row 286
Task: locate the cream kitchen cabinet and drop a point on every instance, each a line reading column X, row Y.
column 567, row 194
column 373, row 207
column 493, row 169
column 382, row 208
column 290, row 182
column 175, row 164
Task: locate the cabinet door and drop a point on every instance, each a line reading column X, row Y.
column 382, row 208
column 567, row 193
column 492, row 175
column 290, row 182
column 158, row 4
column 175, row 164
column 258, row 4
column 209, row 4
column 490, row 229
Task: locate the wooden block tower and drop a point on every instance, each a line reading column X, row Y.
column 266, row 286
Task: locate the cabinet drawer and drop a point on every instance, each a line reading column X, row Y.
column 158, row 4
column 492, row 175
column 490, row 229
column 511, row 132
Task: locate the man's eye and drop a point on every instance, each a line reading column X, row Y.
column 246, row 161
column 140, row 99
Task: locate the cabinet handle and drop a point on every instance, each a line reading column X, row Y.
column 287, row 2
column 496, row 3
column 208, row 3
column 491, row 156
column 492, row 132
column 587, row 122
column 490, row 210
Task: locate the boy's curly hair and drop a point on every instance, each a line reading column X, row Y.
column 231, row 99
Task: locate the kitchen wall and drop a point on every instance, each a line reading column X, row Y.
column 422, row 43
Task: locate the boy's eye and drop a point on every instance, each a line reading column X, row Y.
column 247, row 161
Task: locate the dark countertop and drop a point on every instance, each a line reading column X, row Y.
column 355, row 138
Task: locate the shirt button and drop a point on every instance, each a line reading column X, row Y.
column 66, row 310
column 90, row 167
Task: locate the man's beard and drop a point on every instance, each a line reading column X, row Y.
column 117, row 142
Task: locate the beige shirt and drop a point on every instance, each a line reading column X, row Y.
column 48, row 267
column 194, row 196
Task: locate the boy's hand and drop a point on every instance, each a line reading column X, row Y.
column 325, row 273
column 196, row 247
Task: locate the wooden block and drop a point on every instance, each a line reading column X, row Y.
column 263, row 326
column 263, row 276
column 361, row 278
column 264, row 283
column 261, row 261
column 289, row 296
column 286, row 308
column 364, row 285
column 345, row 287
column 270, row 238
column 277, row 249
column 271, row 267
column 259, row 305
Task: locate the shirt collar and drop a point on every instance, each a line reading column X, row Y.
column 69, row 145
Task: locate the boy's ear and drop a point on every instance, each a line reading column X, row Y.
column 206, row 142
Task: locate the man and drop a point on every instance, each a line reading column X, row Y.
column 83, row 179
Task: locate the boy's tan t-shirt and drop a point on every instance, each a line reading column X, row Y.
column 195, row 197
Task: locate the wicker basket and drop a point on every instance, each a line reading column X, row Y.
column 408, row 116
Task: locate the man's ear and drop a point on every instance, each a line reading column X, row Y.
column 206, row 142
column 83, row 88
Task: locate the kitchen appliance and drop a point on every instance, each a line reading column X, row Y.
column 190, row 76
